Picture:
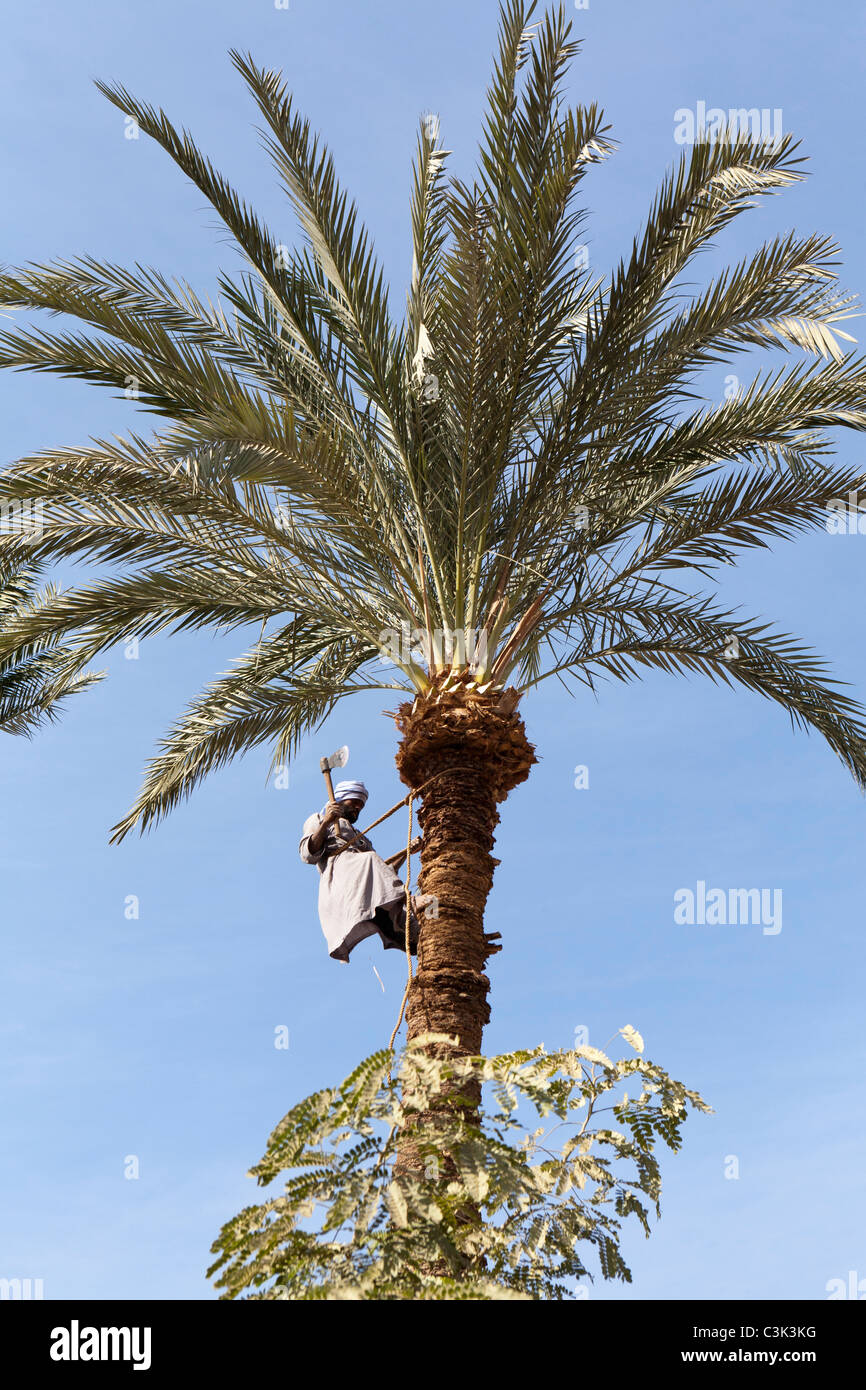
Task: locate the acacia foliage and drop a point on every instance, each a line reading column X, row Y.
column 343, row 1228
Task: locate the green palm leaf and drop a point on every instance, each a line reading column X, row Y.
column 525, row 455
column 38, row 676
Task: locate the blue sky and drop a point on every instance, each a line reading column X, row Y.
column 154, row 1036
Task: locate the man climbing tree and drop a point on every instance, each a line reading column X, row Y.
column 360, row 894
column 526, row 454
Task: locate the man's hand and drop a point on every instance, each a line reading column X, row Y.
column 332, row 814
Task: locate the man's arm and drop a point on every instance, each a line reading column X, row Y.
column 331, row 816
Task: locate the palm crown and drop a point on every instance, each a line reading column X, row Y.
column 524, row 456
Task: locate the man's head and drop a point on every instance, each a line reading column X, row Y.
column 352, row 797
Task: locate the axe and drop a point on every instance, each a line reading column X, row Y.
column 338, row 759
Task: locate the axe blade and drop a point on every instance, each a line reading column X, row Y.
column 338, row 759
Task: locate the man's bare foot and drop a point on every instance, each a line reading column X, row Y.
column 422, row 900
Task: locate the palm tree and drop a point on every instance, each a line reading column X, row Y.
column 38, row 675
column 519, row 469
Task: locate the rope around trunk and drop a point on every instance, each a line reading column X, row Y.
column 347, row 844
column 410, row 798
column 407, row 931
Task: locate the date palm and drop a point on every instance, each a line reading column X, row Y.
column 37, row 676
column 524, row 455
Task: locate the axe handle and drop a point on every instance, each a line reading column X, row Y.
column 330, row 786
column 337, row 832
column 329, row 783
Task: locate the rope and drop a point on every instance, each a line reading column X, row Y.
column 356, row 834
column 407, row 936
column 410, row 799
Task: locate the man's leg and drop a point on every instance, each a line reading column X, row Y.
column 353, row 938
column 392, row 923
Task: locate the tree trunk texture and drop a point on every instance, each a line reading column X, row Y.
column 475, row 754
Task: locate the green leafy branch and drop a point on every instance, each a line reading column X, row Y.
column 349, row 1226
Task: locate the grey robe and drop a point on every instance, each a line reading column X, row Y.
column 351, row 886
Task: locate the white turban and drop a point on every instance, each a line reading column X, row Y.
column 351, row 791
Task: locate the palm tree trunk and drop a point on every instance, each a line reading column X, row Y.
column 474, row 754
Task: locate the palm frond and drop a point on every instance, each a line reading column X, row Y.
column 255, row 703
column 36, row 680
column 527, row 454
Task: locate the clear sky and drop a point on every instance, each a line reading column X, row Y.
column 153, row 1036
